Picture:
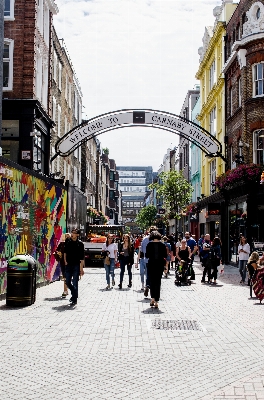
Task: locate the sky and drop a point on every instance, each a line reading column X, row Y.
column 134, row 54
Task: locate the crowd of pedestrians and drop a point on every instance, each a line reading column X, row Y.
column 155, row 256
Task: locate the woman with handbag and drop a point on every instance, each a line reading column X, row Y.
column 109, row 251
column 126, row 258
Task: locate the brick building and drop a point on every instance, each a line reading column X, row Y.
column 244, row 75
column 27, row 118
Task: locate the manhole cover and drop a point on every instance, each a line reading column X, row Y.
column 180, row 325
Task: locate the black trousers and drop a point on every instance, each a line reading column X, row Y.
column 155, row 283
column 207, row 270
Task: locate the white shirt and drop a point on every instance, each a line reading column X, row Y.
column 111, row 248
column 241, row 255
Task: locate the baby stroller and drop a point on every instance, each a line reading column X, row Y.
column 183, row 273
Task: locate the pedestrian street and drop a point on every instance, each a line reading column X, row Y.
column 204, row 342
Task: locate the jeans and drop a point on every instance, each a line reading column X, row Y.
column 123, row 263
column 72, row 273
column 143, row 270
column 110, row 270
column 243, row 269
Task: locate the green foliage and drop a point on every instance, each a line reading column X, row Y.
column 127, row 229
column 146, row 217
column 106, row 151
column 175, row 191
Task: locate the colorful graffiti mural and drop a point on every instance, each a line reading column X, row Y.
column 32, row 221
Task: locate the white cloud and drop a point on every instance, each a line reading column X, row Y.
column 134, row 54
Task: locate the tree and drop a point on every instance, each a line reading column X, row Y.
column 146, row 217
column 106, row 151
column 175, row 191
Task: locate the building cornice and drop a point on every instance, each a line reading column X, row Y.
column 218, row 34
column 239, row 45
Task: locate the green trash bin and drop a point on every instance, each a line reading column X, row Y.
column 21, row 281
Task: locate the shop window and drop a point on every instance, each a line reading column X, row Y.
column 8, row 65
column 9, row 9
column 259, row 147
column 258, row 79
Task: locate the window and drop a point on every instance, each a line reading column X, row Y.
column 259, row 147
column 239, row 92
column 212, row 77
column 231, row 100
column 55, row 62
column 212, row 174
column 66, row 87
column 9, row 9
column 75, row 106
column 65, row 125
column 60, row 75
column 70, row 89
column 212, row 122
column 38, row 152
column 59, row 122
column 8, row 65
column 54, row 109
column 258, row 79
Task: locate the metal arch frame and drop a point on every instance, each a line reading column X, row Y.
column 145, row 125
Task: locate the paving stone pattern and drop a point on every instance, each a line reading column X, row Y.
column 109, row 346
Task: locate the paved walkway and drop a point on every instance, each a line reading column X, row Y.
column 112, row 345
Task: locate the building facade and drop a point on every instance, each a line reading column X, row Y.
column 133, row 184
column 244, row 74
column 27, row 121
column 212, row 114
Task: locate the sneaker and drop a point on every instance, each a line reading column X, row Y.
column 129, row 285
column 146, row 291
column 64, row 294
column 113, row 283
column 120, row 285
column 142, row 288
column 107, row 287
column 73, row 303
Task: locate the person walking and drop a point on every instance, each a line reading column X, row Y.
column 243, row 256
column 144, row 261
column 205, row 258
column 109, row 250
column 192, row 244
column 126, row 258
column 165, row 240
column 215, row 258
column 156, row 253
column 59, row 256
column 74, row 263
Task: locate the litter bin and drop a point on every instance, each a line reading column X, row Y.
column 21, row 281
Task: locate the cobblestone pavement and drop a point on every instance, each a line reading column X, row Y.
column 112, row 345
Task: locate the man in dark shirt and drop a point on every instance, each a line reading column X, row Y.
column 74, row 263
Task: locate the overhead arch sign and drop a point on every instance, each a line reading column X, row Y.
column 144, row 118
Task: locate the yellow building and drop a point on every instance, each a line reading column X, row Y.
column 212, row 86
